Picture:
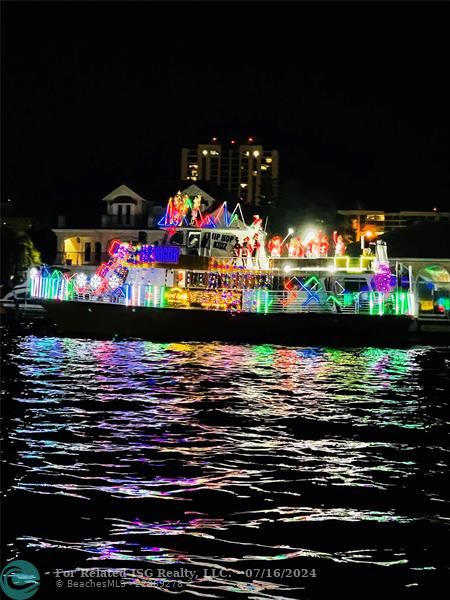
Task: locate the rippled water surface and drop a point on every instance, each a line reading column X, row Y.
column 240, row 458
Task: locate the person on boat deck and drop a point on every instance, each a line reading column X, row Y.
column 324, row 246
column 256, row 250
column 315, row 245
column 292, row 246
column 195, row 212
column 309, row 249
column 246, row 250
column 340, row 246
column 295, row 247
column 257, row 222
column 275, row 246
column 236, row 252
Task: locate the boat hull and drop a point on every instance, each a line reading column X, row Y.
column 107, row 321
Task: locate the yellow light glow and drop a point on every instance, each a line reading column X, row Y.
column 309, row 236
column 365, row 262
column 341, row 262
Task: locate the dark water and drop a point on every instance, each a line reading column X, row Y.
column 300, row 472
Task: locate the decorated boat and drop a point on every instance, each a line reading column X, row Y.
column 216, row 278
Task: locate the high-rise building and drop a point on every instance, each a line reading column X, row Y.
column 247, row 170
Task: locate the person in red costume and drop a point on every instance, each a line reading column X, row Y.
column 177, row 208
column 324, row 246
column 256, row 250
column 339, row 244
column 246, row 250
column 292, row 248
column 295, row 249
column 257, row 222
column 275, row 246
column 309, row 249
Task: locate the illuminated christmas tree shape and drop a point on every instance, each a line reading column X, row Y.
column 183, row 210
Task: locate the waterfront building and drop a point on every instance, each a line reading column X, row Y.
column 380, row 221
column 83, row 239
column 248, row 170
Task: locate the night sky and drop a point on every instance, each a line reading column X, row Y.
column 354, row 96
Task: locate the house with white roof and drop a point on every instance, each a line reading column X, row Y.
column 84, row 239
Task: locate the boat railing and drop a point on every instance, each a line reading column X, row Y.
column 310, row 301
column 290, row 264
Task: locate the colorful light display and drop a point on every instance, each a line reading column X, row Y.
column 177, row 297
column 257, row 298
column 185, row 211
column 382, row 278
column 96, row 282
column 225, row 286
column 218, row 299
column 54, row 286
column 227, row 278
column 113, row 274
column 80, row 282
column 294, row 285
column 114, row 282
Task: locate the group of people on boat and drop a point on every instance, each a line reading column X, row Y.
column 313, row 247
column 248, row 252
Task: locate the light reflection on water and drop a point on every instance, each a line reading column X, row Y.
column 217, row 455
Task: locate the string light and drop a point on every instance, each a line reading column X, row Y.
column 382, row 278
